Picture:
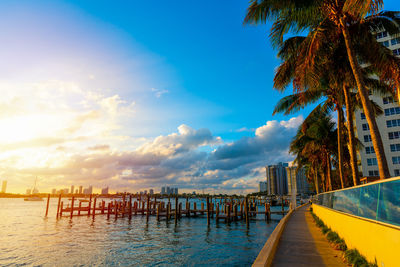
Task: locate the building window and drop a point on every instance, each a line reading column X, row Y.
column 397, row 172
column 393, row 123
column 380, row 35
column 388, row 100
column 396, row 160
column 367, row 138
column 373, row 173
column 392, row 135
column 395, row 41
column 396, row 52
column 385, row 43
column 392, row 111
column 362, row 116
column 372, row 162
column 365, row 127
column 369, row 150
column 394, row 147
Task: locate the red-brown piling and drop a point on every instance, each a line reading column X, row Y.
column 72, row 207
column 47, row 205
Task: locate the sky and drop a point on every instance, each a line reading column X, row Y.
column 138, row 95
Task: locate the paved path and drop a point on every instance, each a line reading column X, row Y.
column 303, row 244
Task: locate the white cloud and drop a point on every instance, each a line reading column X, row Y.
column 159, row 92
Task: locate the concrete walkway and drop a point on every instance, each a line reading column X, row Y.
column 303, row 244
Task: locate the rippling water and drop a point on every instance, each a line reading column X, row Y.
column 27, row 238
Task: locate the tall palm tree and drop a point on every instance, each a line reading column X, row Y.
column 351, row 19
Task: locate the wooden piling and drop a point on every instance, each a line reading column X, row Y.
column 61, row 208
column 194, row 209
column 188, row 209
column 108, row 210
column 168, row 211
column 176, row 210
column 208, row 210
column 94, row 207
column 158, row 212
column 47, row 205
column 229, row 213
column 90, row 204
column 217, row 212
column 116, row 209
column 72, row 206
column 246, row 211
column 58, row 205
column 79, row 208
column 130, row 207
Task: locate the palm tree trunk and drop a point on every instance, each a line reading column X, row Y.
column 350, row 131
column 340, row 143
column 316, row 180
column 329, row 172
column 366, row 103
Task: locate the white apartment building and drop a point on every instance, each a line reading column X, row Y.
column 388, row 124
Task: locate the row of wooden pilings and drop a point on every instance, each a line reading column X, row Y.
column 227, row 210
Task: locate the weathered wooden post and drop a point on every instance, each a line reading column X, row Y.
column 246, row 211
column 208, row 211
column 108, row 210
column 130, row 207
column 229, row 212
column 180, row 210
column 187, row 209
column 61, row 208
column 135, row 207
column 79, row 208
column 148, row 208
column 47, row 205
column 235, row 213
column 194, row 209
column 176, row 210
column 90, row 204
column 168, row 211
column 158, row 212
column 94, row 207
column 116, row 209
column 72, row 206
column 217, row 212
column 103, row 203
column 58, row 205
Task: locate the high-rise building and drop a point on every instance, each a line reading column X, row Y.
column 53, row 191
column 169, row 190
column 176, row 191
column 4, row 186
column 163, row 192
column 388, row 125
column 80, row 189
column 28, row 191
column 72, row 189
column 151, row 192
column 145, row 192
column 104, row 191
column 66, row 190
column 263, row 187
column 297, row 181
column 276, row 179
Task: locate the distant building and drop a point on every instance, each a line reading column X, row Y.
column 72, row 189
column 276, row 179
column 80, row 189
column 66, row 190
column 175, row 191
column 163, row 192
column 4, row 186
column 145, row 192
column 53, row 191
column 151, row 192
column 28, row 191
column 104, row 191
column 263, row 187
column 194, row 193
column 297, row 180
column 88, row 190
column 35, row 191
column 76, row 191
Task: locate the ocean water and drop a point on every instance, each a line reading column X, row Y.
column 29, row 239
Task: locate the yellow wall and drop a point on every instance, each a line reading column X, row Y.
column 373, row 240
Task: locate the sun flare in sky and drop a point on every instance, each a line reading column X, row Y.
column 86, row 101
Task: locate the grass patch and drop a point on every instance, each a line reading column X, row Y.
column 352, row 256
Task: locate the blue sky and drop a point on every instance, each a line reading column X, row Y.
column 166, row 92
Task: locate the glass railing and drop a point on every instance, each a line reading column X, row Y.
column 378, row 201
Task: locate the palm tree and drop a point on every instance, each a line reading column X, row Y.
column 351, row 19
column 314, row 144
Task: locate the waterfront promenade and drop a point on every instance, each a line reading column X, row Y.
column 303, row 244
